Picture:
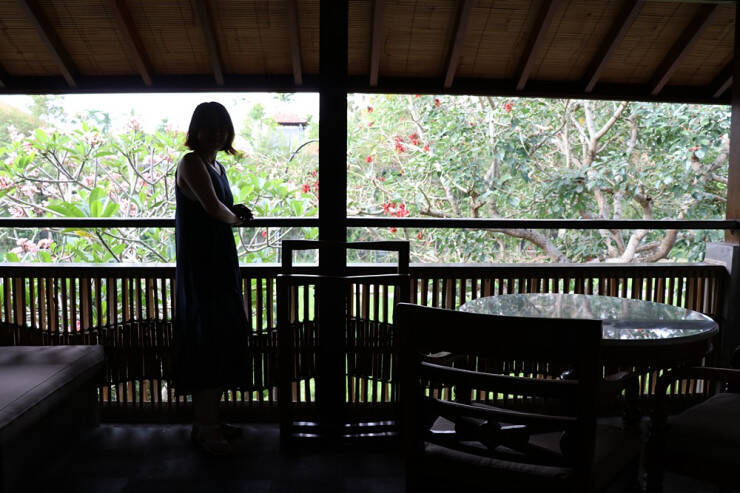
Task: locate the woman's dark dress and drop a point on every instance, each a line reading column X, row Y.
column 211, row 328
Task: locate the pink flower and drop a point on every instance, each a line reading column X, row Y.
column 263, row 234
column 44, row 243
column 17, row 212
column 426, row 147
column 369, row 109
column 4, row 183
column 508, row 106
column 437, row 102
column 392, row 230
column 419, row 236
column 306, row 188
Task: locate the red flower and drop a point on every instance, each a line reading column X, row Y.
column 387, row 208
column 393, row 205
column 306, row 188
column 693, row 149
column 413, row 136
column 417, row 95
column 316, row 186
column 508, row 107
column 314, row 173
column 437, row 102
column 381, row 178
column 426, row 147
column 402, row 211
column 369, row 109
column 263, row 234
column 369, row 159
column 399, row 147
column 419, row 236
column 392, row 230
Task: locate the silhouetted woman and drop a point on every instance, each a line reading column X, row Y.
column 210, row 323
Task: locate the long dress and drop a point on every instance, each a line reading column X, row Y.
column 211, row 327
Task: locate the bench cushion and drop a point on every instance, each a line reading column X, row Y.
column 36, row 378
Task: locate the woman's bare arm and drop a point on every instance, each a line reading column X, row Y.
column 193, row 171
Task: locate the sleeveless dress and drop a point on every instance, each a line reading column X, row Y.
column 210, row 327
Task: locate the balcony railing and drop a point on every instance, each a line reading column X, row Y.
column 128, row 308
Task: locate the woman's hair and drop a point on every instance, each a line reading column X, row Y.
column 210, row 115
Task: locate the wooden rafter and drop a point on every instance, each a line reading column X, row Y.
column 50, row 39
column 536, row 40
column 723, row 81
column 295, row 42
column 203, row 17
column 132, row 41
column 461, row 28
column 678, row 51
column 617, row 32
column 376, row 44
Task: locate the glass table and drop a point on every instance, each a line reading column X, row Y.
column 635, row 332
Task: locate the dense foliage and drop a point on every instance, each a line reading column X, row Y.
column 407, row 156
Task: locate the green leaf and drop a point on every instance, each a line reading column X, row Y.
column 44, row 256
column 11, row 257
column 110, row 208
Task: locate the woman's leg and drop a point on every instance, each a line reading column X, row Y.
column 205, row 406
column 206, row 428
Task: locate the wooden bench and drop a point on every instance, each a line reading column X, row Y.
column 47, row 398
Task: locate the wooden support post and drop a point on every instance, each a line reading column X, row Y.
column 333, row 82
column 728, row 253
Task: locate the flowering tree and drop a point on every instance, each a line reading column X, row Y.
column 85, row 173
column 492, row 157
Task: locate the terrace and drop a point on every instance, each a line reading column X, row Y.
column 671, row 51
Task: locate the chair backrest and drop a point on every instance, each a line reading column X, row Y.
column 571, row 345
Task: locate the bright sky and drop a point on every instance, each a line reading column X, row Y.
column 150, row 109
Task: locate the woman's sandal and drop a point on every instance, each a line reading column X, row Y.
column 230, row 432
column 219, row 447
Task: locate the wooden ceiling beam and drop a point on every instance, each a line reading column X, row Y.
column 203, row 17
column 536, row 40
column 681, row 47
column 295, row 42
column 617, row 32
column 723, row 80
column 458, row 40
column 43, row 28
column 376, row 44
column 131, row 39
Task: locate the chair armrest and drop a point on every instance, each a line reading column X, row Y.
column 727, row 375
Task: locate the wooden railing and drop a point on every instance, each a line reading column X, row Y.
column 128, row 309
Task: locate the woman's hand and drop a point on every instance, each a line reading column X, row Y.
column 242, row 212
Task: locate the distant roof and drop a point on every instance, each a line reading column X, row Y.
column 290, row 119
column 636, row 49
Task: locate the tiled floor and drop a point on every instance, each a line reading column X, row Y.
column 160, row 458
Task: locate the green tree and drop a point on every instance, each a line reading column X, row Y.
column 492, row 157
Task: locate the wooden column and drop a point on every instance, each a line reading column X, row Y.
column 332, row 211
column 728, row 252
column 733, row 174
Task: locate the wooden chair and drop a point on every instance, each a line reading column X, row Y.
column 703, row 441
column 346, row 343
column 545, row 439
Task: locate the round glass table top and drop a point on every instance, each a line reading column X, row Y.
column 623, row 319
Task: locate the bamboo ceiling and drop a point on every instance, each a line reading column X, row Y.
column 669, row 50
